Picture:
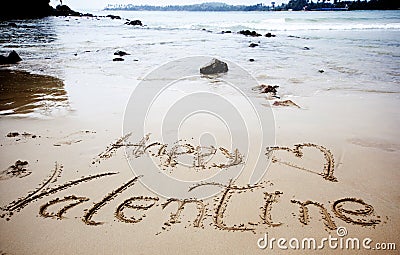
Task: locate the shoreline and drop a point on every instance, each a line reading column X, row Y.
column 70, row 183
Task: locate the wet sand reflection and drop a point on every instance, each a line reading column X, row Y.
column 24, row 93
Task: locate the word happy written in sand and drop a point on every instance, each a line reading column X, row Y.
column 133, row 210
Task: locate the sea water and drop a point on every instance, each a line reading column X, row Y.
column 312, row 52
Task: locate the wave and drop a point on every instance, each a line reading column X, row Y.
column 277, row 25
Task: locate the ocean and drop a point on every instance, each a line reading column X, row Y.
column 312, row 52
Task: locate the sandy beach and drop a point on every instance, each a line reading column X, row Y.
column 76, row 166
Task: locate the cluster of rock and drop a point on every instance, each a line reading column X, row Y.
column 249, row 33
column 252, row 33
column 272, row 91
column 218, row 67
column 26, row 9
column 120, row 53
column 63, row 10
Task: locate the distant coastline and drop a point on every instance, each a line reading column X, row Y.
column 292, row 5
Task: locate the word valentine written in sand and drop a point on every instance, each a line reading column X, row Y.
column 134, row 210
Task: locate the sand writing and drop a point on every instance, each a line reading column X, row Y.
column 87, row 218
column 201, row 156
column 111, row 149
column 220, row 206
column 304, row 215
column 266, row 217
column 133, row 210
column 175, row 217
column 59, row 215
column 129, row 203
column 222, row 203
column 368, row 210
column 329, row 165
column 44, row 190
column 169, row 156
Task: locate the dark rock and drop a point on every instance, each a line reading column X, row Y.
column 286, row 103
column 118, row 59
column 321, row 71
column 269, row 35
column 18, row 167
column 251, row 60
column 267, row 89
column 227, row 32
column 23, row 9
column 12, row 58
column 26, row 9
column 252, row 45
column 270, row 89
column 134, row 23
column 12, row 134
column 64, row 10
column 214, row 67
column 113, row 16
column 121, row 53
column 249, row 33
column 12, row 24
column 306, row 48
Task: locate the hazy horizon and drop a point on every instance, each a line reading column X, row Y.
column 100, row 4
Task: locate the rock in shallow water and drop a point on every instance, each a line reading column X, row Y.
column 249, row 33
column 286, row 103
column 214, row 67
column 12, row 58
column 134, row 23
column 269, row 35
column 113, row 16
column 121, row 53
column 272, row 89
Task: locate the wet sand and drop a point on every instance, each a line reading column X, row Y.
column 334, row 164
column 23, row 92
